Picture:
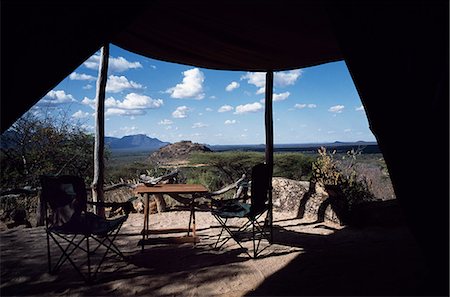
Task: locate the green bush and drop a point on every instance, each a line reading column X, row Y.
column 329, row 171
column 293, row 166
column 34, row 146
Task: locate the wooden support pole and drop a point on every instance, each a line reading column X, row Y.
column 99, row 166
column 269, row 143
column 269, row 121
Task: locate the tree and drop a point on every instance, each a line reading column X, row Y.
column 34, row 146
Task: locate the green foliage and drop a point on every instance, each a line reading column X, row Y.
column 44, row 146
column 229, row 166
column 223, row 168
column 293, row 166
column 329, row 171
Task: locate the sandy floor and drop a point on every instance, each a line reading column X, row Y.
column 306, row 258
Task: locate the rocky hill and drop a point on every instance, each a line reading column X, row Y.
column 177, row 153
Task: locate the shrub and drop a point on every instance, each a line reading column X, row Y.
column 33, row 146
column 329, row 171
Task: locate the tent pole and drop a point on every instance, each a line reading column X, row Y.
column 99, row 166
column 269, row 139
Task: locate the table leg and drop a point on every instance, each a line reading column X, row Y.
column 192, row 218
column 146, row 219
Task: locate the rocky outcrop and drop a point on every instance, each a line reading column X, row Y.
column 307, row 202
column 177, row 153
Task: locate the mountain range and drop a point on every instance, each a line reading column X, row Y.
column 138, row 142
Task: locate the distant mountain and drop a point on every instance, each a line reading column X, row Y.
column 134, row 143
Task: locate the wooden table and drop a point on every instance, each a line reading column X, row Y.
column 195, row 190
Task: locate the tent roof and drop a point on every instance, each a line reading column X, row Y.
column 49, row 40
column 234, row 35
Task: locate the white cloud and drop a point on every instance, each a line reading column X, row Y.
column 181, row 112
column 360, row 108
column 246, row 108
column 57, row 97
column 133, row 104
column 257, row 79
column 208, row 109
column 286, row 78
column 117, row 84
column 123, row 112
column 190, row 87
column 232, row 86
column 90, row 102
column 281, row 96
column 119, row 64
column 303, row 105
column 225, row 108
column 336, row 108
column 230, row 122
column 80, row 114
column 280, row 79
column 81, row 76
column 87, row 87
column 136, row 101
column 165, row 122
column 199, row 125
column 261, row 90
column 347, row 130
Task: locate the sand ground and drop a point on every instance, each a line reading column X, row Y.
column 306, row 258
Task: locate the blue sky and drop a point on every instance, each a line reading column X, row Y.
column 174, row 102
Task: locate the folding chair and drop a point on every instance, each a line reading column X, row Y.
column 252, row 213
column 69, row 224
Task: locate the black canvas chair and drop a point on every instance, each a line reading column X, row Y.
column 73, row 229
column 257, row 214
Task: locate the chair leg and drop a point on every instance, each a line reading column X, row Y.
column 88, row 258
column 48, row 253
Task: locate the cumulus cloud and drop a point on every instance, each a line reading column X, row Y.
column 181, row 112
column 87, row 87
column 199, row 125
column 233, row 85
column 247, row 108
column 81, row 76
column 136, row 101
column 286, row 78
column 57, row 97
column 280, row 79
column 80, row 114
column 360, row 108
column 87, row 101
column 133, row 104
column 117, row 84
column 190, row 87
column 115, row 64
column 230, row 122
column 336, row 108
column 165, row 122
column 304, row 105
column 225, row 108
column 123, row 112
column 281, row 96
